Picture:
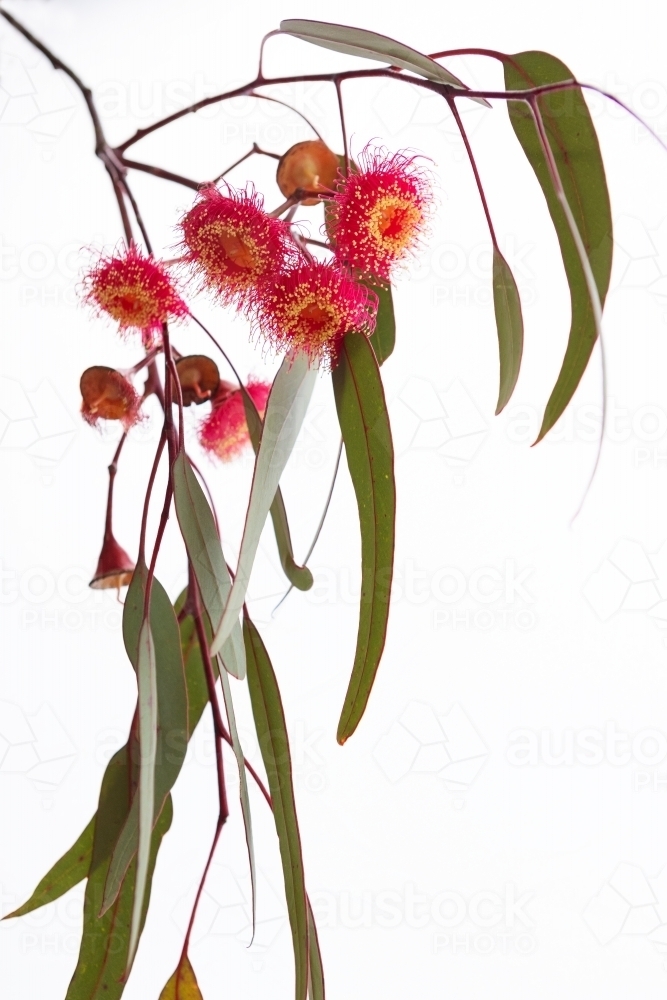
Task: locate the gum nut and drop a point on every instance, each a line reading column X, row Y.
column 199, row 378
column 310, row 166
column 106, row 393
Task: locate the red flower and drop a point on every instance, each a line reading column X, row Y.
column 232, row 243
column 379, row 212
column 311, row 307
column 225, row 431
column 136, row 291
column 107, row 395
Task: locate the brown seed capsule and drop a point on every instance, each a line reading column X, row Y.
column 309, row 166
column 108, row 395
column 114, row 567
column 199, row 378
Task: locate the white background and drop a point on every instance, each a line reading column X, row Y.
column 413, row 869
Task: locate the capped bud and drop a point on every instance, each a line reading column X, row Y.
column 224, row 432
column 114, row 567
column 307, row 166
column 108, row 395
column 199, row 378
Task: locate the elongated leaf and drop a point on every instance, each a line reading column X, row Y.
column 183, row 984
column 148, row 726
column 315, row 970
column 509, row 322
column 576, row 150
column 364, row 424
column 285, row 410
column 299, row 576
column 370, row 45
column 74, row 866
column 269, row 719
column 65, row 874
column 384, row 335
column 243, row 786
column 172, row 700
column 104, row 947
column 203, row 545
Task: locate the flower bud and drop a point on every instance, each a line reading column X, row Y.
column 108, row 395
column 307, row 166
column 114, row 567
column 199, row 378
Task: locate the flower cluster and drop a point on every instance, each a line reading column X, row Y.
column 376, row 212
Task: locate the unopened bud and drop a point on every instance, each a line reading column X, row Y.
column 307, row 166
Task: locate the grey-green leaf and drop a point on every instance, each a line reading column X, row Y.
column 576, row 150
column 205, row 552
column 271, row 730
column 65, row 874
column 509, row 323
column 285, row 411
column 100, row 970
column 148, row 725
column 315, row 969
column 172, row 696
column 364, row 423
column 299, row 576
column 371, row 45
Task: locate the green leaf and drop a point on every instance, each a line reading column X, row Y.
column 65, row 874
column 205, row 552
column 576, row 150
column 271, row 730
column 100, row 970
column 364, row 424
column 510, row 327
column 243, row 786
column 285, row 411
column 370, row 45
column 183, row 984
column 148, row 725
column 299, row 576
column 315, row 970
column 172, row 701
column 384, row 335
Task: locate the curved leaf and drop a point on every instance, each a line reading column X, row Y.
column 285, row 410
column 100, row 970
column 205, row 552
column 172, row 702
column 148, row 724
column 576, row 150
column 364, row 424
column 315, row 970
column 371, row 45
column 65, row 874
column 183, row 984
column 299, row 576
column 243, row 785
column 509, row 322
column 269, row 719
